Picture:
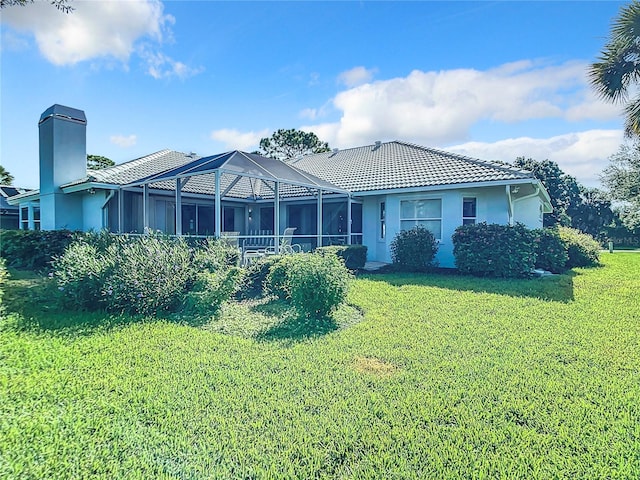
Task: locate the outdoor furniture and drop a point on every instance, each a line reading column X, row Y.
column 286, row 246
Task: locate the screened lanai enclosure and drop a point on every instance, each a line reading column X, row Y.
column 239, row 193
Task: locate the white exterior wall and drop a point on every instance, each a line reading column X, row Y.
column 491, row 207
column 528, row 211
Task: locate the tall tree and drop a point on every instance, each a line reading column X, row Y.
column 289, row 144
column 616, row 73
column 563, row 189
column 593, row 214
column 98, row 162
column 622, row 179
column 5, row 177
column 62, row 5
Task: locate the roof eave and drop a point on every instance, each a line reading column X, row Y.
column 447, row 186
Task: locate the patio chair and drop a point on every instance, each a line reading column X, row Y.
column 286, row 246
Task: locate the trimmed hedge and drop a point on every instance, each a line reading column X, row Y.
column 34, row 249
column 414, row 250
column 582, row 249
column 551, row 251
column 354, row 256
column 491, row 250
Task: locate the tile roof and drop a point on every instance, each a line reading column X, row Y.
column 133, row 170
column 385, row 166
column 403, row 165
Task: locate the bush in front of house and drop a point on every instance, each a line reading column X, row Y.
column 34, row 249
column 254, row 280
column 314, row 284
column 414, row 250
column 582, row 249
column 354, row 256
column 144, row 275
column 551, row 251
column 80, row 274
column 492, row 250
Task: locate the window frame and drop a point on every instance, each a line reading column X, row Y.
column 416, row 220
column 470, row 220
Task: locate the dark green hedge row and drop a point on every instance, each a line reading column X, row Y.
column 491, row 250
column 34, row 249
column 354, row 256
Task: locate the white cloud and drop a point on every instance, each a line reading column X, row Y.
column 160, row 66
column 104, row 30
column 356, row 76
column 582, row 154
column 236, row 140
column 436, row 108
column 124, row 141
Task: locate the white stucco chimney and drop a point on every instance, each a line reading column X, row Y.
column 63, row 158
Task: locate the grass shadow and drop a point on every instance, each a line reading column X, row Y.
column 555, row 288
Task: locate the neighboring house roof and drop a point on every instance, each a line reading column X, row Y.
column 394, row 165
column 7, row 191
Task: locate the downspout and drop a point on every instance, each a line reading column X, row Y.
column 509, row 204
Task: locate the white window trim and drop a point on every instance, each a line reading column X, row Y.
column 414, row 198
column 382, row 220
column 475, row 219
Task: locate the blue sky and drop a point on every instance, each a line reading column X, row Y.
column 493, row 80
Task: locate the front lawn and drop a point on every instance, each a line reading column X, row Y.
column 423, row 376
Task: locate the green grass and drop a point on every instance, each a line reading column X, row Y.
column 430, row 376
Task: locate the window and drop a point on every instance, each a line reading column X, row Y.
column 383, row 220
column 468, row 211
column 36, row 218
column 24, row 218
column 427, row 212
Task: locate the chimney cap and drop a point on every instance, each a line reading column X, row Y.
column 66, row 113
column 378, row 143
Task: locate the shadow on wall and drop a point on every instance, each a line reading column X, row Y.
column 556, row 288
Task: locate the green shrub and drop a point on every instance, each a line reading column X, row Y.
column 314, row 284
column 277, row 277
column 152, row 274
column 34, row 249
column 354, row 256
column 3, row 280
column 255, row 276
column 80, row 274
column 491, row 250
column 146, row 274
column 551, row 251
column 212, row 289
column 414, row 250
column 582, row 249
column 213, row 255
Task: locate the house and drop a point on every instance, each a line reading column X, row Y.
column 363, row 195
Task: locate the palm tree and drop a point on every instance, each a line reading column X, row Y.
column 617, row 70
column 5, row 177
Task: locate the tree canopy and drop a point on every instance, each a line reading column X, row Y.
column 5, row 177
column 616, row 73
column 622, row 180
column 62, row 5
column 563, row 189
column 98, row 162
column 289, row 144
